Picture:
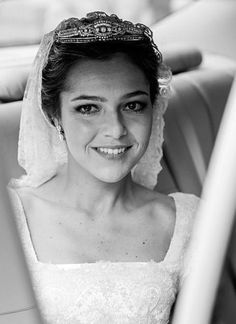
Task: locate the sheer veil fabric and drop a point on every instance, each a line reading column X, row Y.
column 40, row 151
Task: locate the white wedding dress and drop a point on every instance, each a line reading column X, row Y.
column 110, row 292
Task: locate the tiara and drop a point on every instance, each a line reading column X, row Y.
column 98, row 26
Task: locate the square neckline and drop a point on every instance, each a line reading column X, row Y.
column 34, row 258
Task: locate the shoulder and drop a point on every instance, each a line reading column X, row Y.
column 158, row 202
column 25, row 198
column 160, row 208
column 43, row 192
column 21, row 198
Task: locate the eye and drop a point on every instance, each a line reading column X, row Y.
column 135, row 106
column 87, row 109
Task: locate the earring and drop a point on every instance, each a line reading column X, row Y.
column 60, row 131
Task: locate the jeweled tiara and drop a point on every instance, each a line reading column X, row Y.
column 98, row 26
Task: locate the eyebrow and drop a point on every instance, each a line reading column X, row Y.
column 102, row 99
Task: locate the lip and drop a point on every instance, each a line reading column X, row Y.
column 112, row 156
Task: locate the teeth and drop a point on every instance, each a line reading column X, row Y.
column 111, row 151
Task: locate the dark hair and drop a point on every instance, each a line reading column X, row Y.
column 63, row 56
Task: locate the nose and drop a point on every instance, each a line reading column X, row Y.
column 114, row 125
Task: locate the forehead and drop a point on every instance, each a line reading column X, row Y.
column 115, row 72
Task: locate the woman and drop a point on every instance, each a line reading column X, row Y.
column 102, row 246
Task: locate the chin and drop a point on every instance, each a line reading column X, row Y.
column 115, row 173
column 112, row 177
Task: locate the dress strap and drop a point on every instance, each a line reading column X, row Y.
column 186, row 207
column 22, row 225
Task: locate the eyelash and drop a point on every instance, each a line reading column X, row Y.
column 96, row 109
column 141, row 105
column 80, row 108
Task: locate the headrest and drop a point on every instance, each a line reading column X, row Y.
column 181, row 58
column 15, row 63
column 12, row 83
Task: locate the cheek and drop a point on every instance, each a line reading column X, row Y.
column 78, row 132
column 142, row 130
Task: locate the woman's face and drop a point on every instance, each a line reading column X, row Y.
column 106, row 114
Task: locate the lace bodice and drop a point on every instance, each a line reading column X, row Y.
column 110, row 292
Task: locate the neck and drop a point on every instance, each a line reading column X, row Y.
column 85, row 192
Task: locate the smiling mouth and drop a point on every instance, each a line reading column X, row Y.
column 112, row 152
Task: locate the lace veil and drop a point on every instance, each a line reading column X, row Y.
column 41, row 152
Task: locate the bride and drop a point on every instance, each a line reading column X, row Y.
column 101, row 244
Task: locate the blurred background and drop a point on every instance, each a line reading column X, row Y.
column 23, row 22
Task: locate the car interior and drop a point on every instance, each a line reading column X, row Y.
column 203, row 72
